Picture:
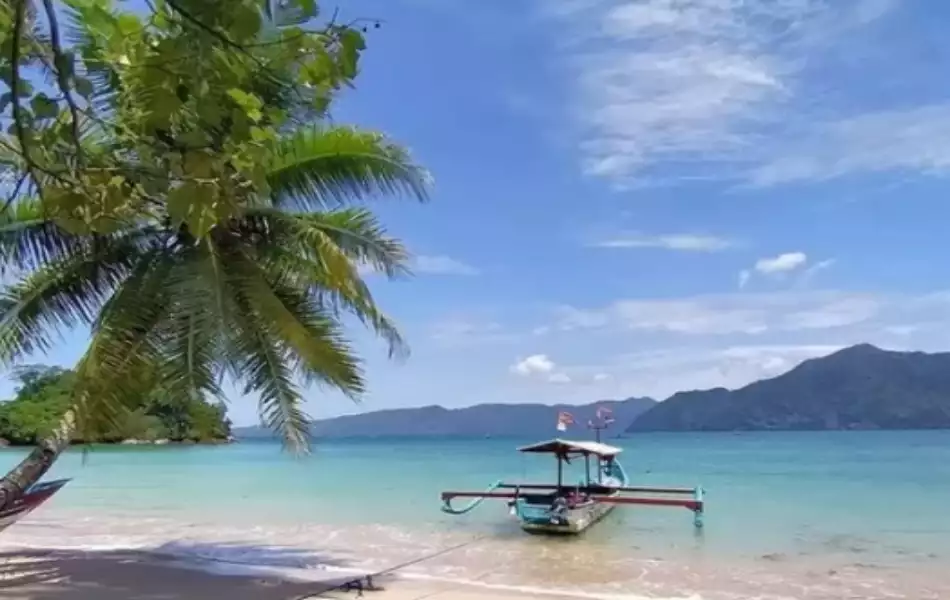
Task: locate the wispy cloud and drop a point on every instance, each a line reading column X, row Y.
column 743, row 313
column 813, row 270
column 714, row 88
column 914, row 139
column 660, row 373
column 686, row 242
column 459, row 330
column 442, row 265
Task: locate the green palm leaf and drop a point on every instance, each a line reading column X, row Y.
column 350, row 235
column 320, row 167
column 321, row 253
column 256, row 357
column 60, row 295
column 313, row 336
column 112, row 377
column 29, row 240
column 192, row 330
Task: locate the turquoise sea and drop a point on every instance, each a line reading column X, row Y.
column 862, row 515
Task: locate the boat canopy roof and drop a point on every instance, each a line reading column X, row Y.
column 564, row 447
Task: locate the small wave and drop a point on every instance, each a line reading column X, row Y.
column 542, row 591
column 306, row 566
column 252, row 555
column 272, row 567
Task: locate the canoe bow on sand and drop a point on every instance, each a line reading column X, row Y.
column 25, row 504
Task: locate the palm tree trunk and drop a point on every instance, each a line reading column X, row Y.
column 38, row 462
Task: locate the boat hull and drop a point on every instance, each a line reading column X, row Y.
column 32, row 499
column 573, row 522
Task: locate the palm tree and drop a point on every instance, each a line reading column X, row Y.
column 259, row 299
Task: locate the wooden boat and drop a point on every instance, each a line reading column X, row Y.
column 560, row 509
column 570, row 509
column 29, row 501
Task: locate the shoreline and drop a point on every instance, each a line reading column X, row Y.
column 7, row 445
column 27, row 574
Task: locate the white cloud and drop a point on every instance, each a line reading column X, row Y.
column 442, row 265
column 673, row 241
column 533, row 365
column 709, row 84
column 540, row 367
column 784, row 264
column 781, row 263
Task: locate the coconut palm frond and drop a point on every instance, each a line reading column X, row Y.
column 60, row 295
column 124, row 349
column 325, row 167
column 192, row 331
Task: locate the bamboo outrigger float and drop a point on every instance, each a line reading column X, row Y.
column 570, row 509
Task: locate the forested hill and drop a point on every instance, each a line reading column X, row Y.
column 43, row 396
column 497, row 420
column 861, row 387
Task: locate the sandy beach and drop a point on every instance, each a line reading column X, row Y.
column 131, row 575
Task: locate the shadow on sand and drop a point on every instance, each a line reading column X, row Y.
column 150, row 575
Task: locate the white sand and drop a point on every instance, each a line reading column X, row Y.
column 138, row 576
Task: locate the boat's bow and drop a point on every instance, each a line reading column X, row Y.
column 34, row 496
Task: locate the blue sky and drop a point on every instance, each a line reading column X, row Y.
column 638, row 197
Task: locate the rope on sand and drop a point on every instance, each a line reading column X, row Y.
column 365, row 582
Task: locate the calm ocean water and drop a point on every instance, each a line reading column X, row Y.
column 806, row 516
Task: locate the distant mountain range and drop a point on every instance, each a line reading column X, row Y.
column 497, row 420
column 861, row 387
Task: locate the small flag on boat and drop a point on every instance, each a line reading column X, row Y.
column 563, row 420
column 605, row 414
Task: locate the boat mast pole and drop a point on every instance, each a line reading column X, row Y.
column 560, row 473
column 601, row 424
column 597, row 427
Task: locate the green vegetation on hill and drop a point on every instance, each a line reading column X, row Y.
column 861, row 387
column 43, row 396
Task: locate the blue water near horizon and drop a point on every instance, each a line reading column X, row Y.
column 803, row 515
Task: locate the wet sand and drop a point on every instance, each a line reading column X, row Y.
column 130, row 575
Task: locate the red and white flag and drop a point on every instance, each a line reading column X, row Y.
column 563, row 420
